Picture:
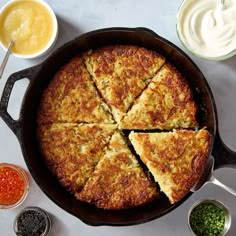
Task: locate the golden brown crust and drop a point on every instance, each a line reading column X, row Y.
column 81, row 144
column 166, row 103
column 72, row 151
column 175, row 159
column 121, row 73
column 118, row 181
column 72, row 97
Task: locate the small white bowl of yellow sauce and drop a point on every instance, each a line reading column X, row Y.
column 31, row 24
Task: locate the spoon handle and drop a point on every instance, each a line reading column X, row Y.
column 222, row 4
column 215, row 181
column 4, row 62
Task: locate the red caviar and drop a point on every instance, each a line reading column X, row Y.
column 12, row 185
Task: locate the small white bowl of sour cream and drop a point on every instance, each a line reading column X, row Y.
column 207, row 28
column 31, row 24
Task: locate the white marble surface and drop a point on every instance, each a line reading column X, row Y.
column 75, row 18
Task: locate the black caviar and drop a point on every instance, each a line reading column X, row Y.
column 31, row 222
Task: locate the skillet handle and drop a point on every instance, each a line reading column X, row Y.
column 29, row 73
column 224, row 157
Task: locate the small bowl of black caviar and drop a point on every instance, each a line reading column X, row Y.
column 209, row 217
column 32, row 221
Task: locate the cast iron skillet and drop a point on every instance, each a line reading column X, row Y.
column 39, row 76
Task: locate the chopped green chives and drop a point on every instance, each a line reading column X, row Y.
column 207, row 219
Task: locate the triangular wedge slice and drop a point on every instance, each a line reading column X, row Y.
column 118, row 181
column 72, row 151
column 72, row 97
column 175, row 159
column 166, row 103
column 121, row 73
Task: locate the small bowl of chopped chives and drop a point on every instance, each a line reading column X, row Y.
column 209, row 217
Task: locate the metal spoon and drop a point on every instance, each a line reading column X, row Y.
column 4, row 62
column 208, row 177
column 222, row 4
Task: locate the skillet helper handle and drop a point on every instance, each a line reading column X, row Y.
column 215, row 181
column 14, row 125
column 224, row 157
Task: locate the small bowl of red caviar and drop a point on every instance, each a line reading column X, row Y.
column 14, row 185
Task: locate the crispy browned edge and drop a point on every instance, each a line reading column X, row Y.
column 105, row 56
column 152, row 117
column 198, row 163
column 183, row 182
column 127, row 189
column 63, row 165
column 61, row 85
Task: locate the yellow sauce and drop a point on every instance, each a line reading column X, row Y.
column 29, row 24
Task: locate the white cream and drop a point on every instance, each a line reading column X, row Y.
column 207, row 28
